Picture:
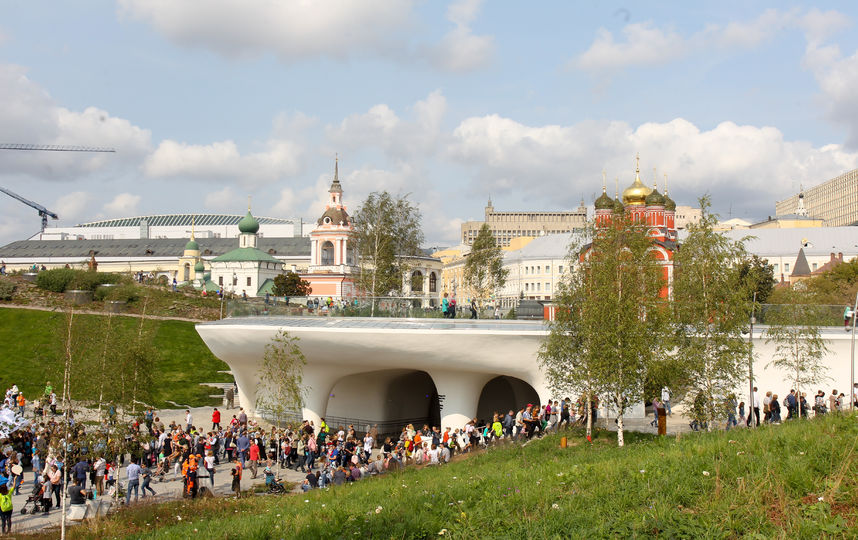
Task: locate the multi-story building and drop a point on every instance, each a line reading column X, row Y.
column 835, row 201
column 508, row 225
column 686, row 215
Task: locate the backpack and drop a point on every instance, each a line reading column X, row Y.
column 6, row 502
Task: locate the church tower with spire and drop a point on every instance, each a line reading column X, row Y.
column 333, row 260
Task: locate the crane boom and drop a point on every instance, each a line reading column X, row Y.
column 55, row 147
column 44, row 213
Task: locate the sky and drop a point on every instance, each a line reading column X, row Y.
column 209, row 102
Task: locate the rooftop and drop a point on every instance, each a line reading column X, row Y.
column 182, row 220
column 149, row 247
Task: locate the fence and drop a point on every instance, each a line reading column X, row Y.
column 396, row 307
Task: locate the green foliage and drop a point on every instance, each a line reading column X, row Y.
column 799, row 347
column 62, row 279
column 387, row 231
column 33, row 352
column 55, row 280
column 610, row 324
column 758, row 487
column 484, row 271
column 291, row 284
column 711, row 308
column 510, row 314
column 835, row 286
column 281, row 376
column 758, row 276
column 7, row 289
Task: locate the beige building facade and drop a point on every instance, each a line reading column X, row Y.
column 835, row 201
column 506, row 226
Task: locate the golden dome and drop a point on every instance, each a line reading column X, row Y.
column 636, row 193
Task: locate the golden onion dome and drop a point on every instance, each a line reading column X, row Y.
column 635, row 194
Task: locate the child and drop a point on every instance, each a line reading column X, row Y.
column 236, row 478
column 5, row 509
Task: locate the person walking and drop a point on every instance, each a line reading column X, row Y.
column 132, row 472
column 215, row 419
column 5, row 510
column 665, row 399
column 146, row 475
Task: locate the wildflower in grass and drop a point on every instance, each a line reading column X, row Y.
column 740, row 452
column 555, row 506
column 801, row 453
column 442, row 532
column 820, row 499
column 642, row 471
column 378, row 509
column 179, row 518
column 705, row 473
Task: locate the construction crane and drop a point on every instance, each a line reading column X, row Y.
column 54, row 148
column 44, row 213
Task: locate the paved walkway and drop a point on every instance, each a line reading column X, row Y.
column 171, row 488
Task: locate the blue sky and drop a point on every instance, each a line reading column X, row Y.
column 208, row 102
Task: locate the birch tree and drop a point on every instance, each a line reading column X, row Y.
column 281, row 376
column 387, row 232
column 799, row 346
column 711, row 307
column 484, row 272
column 610, row 322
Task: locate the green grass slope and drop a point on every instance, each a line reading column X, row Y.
column 796, row 480
column 32, row 352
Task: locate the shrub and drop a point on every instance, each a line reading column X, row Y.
column 126, row 292
column 7, row 289
column 88, row 281
column 55, row 280
column 62, row 279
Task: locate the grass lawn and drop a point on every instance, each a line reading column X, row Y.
column 32, row 353
column 792, row 481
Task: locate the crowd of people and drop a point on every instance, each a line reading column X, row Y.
column 794, row 404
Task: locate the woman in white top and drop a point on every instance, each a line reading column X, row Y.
column 367, row 445
column 209, row 461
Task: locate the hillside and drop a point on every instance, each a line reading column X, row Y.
column 795, row 480
column 32, row 352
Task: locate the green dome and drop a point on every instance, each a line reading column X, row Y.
column 248, row 224
column 619, row 208
column 199, row 267
column 604, row 202
column 192, row 245
column 669, row 204
column 655, row 198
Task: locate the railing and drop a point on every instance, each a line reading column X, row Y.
column 361, row 425
column 396, row 307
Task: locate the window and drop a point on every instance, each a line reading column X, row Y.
column 548, row 287
column 538, row 269
column 560, row 269
column 433, row 282
column 220, row 281
column 814, row 267
column 527, row 286
column 786, row 268
column 248, row 281
column 538, row 286
column 776, row 268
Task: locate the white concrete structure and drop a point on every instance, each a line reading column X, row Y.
column 393, row 369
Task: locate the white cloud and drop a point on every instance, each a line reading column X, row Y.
column 30, row 115
column 124, row 204
column 644, row 44
column 73, row 206
column 223, row 200
column 381, row 127
column 460, row 49
column 224, row 162
column 293, row 30
column 746, row 166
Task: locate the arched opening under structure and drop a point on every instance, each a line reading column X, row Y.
column 327, row 253
column 389, row 398
column 502, row 394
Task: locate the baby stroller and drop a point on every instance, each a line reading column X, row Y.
column 272, row 482
column 35, row 502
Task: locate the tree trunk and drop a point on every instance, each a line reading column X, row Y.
column 589, row 415
column 620, row 439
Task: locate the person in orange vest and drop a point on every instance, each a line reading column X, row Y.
column 189, row 473
column 21, row 403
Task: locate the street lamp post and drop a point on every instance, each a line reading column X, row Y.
column 852, row 360
column 751, row 360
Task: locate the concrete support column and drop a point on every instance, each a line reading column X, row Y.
column 319, row 381
column 459, row 395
